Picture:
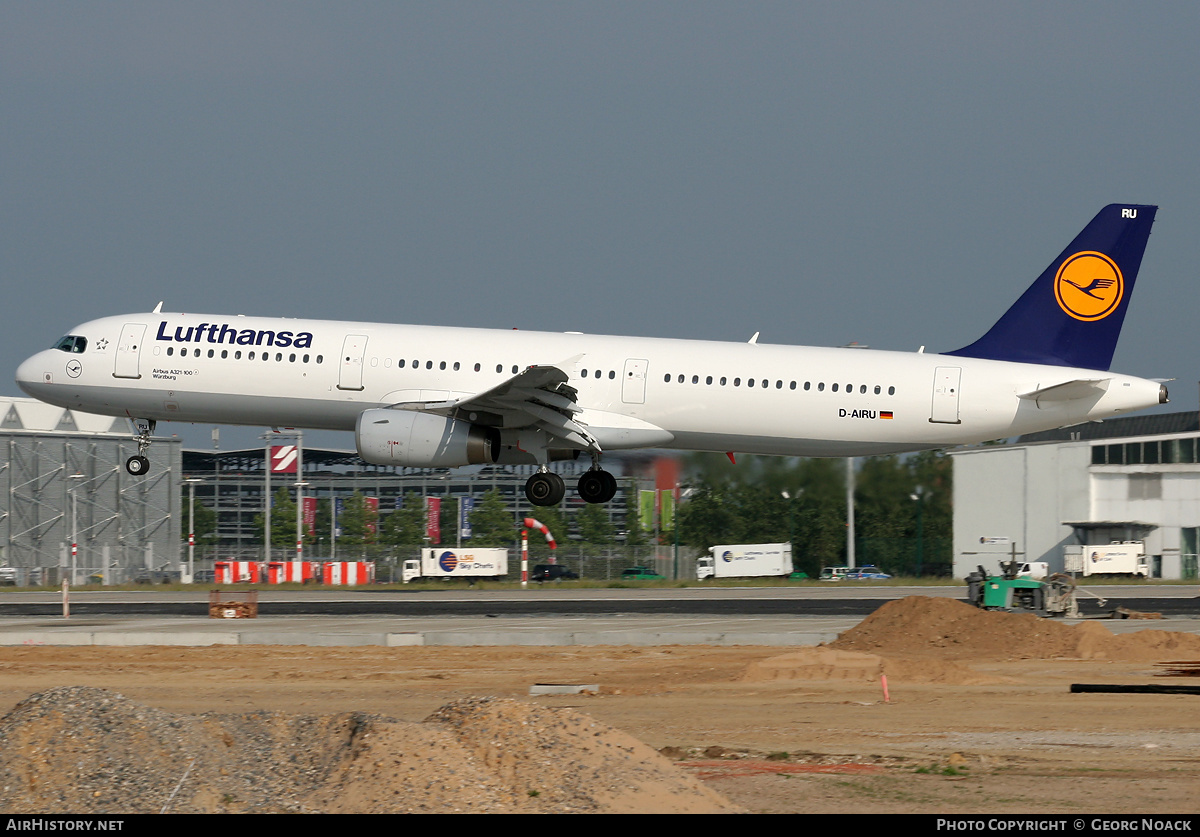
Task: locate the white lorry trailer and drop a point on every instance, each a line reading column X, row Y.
column 1128, row 558
column 745, row 560
column 457, row 563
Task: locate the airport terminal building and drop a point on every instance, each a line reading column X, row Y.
column 1127, row 479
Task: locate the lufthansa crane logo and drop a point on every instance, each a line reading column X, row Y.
column 1089, row 286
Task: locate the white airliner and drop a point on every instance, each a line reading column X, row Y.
column 444, row 397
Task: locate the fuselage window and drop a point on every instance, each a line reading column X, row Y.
column 708, row 380
column 250, row 356
column 723, row 381
column 237, row 355
column 793, row 386
column 681, row 379
column 442, row 365
column 834, row 388
column 224, row 353
column 737, row 382
column 667, row 378
column 514, row 369
column 291, row 358
column 597, row 373
column 401, row 363
column 499, row 368
column 779, row 385
column 279, row 357
column 320, row 358
column 583, row 374
column 306, row 358
column 695, row 379
column 877, row 389
column 612, row 375
column 891, row 390
column 429, row 364
column 170, row 350
column 821, row 386
column 807, row 386
column 749, row 382
column 456, row 366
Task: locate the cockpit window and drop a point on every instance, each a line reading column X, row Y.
column 72, row 343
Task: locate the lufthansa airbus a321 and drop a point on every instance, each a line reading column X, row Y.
column 425, row 396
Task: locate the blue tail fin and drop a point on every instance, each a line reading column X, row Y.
column 1072, row 314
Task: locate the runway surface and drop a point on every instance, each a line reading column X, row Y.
column 551, row 615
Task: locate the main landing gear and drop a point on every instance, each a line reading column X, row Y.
column 546, row 488
column 139, row 465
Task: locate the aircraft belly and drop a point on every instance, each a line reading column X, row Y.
column 217, row 408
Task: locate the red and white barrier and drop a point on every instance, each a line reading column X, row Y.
column 296, row 572
column 349, row 572
column 236, row 572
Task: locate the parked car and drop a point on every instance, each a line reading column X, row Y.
column 8, row 576
column 641, row 574
column 834, row 573
column 551, row 572
column 867, row 572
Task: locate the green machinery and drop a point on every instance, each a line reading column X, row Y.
column 1055, row 596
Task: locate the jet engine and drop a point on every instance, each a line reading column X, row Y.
column 423, row 440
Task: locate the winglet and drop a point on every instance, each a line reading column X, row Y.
column 1072, row 314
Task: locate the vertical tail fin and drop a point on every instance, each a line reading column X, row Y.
column 1072, row 314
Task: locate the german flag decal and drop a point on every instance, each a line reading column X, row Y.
column 885, row 414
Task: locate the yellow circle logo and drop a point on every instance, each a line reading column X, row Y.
column 1089, row 286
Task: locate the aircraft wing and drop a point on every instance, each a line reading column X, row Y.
column 537, row 397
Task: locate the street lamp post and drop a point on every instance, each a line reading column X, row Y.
column 71, row 488
column 919, row 496
column 191, row 484
column 300, row 519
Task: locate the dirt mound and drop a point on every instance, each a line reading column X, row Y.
column 831, row 664
column 85, row 750
column 948, row 629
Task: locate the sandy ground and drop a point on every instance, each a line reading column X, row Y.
column 979, row 719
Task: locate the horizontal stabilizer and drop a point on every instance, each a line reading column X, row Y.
column 1069, row 391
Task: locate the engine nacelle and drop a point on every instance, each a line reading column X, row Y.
column 423, row 440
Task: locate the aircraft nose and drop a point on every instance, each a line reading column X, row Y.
column 32, row 374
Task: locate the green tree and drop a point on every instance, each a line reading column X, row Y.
column 594, row 526
column 406, row 525
column 283, row 519
column 358, row 521
column 491, row 523
column 634, row 534
column 205, row 521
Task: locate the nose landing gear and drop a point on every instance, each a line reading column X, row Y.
column 139, row 464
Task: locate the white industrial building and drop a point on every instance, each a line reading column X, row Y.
column 1126, row 479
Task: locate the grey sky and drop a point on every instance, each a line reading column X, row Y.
column 891, row 173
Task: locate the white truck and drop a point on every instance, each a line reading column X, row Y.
column 1128, row 558
column 745, row 560
column 457, row 563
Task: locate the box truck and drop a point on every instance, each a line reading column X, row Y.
column 746, row 560
column 457, row 563
column 1128, row 558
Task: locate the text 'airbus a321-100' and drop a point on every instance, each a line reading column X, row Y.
column 426, row 396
